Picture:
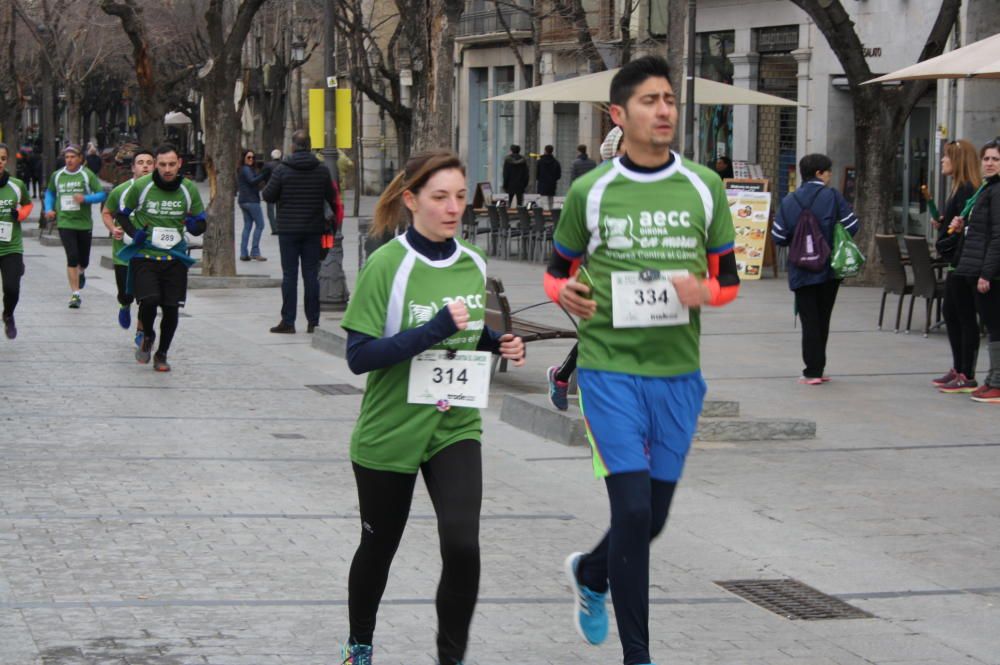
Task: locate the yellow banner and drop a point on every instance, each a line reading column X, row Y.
column 344, row 117
column 317, row 125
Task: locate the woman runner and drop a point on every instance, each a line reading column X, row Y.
column 424, row 290
column 15, row 206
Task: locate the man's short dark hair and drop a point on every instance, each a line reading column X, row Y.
column 515, row 150
column 633, row 74
column 582, row 149
column 301, row 140
column 549, row 150
column 810, row 164
column 142, row 151
column 164, row 148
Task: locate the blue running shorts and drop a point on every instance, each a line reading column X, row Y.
column 640, row 423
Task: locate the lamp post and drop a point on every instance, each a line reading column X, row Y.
column 333, row 293
column 689, row 106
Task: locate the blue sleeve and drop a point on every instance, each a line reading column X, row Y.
column 249, row 176
column 782, row 230
column 845, row 214
column 50, row 200
column 490, row 340
column 96, row 197
column 366, row 353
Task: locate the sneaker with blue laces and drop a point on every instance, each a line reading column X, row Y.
column 357, row 654
column 558, row 390
column 125, row 316
column 138, row 339
column 590, row 613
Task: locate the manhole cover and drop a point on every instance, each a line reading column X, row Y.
column 287, row 435
column 336, row 389
column 793, row 600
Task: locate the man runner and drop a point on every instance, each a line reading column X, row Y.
column 142, row 164
column 15, row 206
column 71, row 192
column 155, row 212
column 657, row 236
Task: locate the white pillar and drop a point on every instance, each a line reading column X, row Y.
column 802, row 57
column 746, row 70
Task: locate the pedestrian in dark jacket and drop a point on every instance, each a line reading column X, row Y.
column 515, row 176
column 269, row 166
column 582, row 163
column 248, row 198
column 35, row 163
column 547, row 174
column 979, row 263
column 300, row 185
column 815, row 292
column 960, row 162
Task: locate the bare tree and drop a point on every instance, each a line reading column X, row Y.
column 10, row 90
column 880, row 112
column 157, row 75
column 222, row 135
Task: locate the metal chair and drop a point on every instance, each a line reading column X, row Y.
column 507, row 232
column 894, row 278
column 527, row 236
column 493, row 244
column 541, row 234
column 925, row 281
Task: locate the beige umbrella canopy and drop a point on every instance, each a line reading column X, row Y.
column 977, row 60
column 595, row 88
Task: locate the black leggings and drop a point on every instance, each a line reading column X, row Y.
column 988, row 305
column 77, row 246
column 454, row 479
column 963, row 327
column 168, row 325
column 121, row 277
column 639, row 508
column 568, row 366
column 815, row 306
column 11, row 269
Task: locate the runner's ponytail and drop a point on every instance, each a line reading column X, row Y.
column 391, row 216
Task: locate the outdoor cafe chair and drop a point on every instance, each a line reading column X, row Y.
column 894, row 279
column 925, row 280
column 541, row 232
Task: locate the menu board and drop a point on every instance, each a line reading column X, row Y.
column 751, row 211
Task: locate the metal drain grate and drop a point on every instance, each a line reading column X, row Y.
column 336, row 389
column 287, row 435
column 793, row 600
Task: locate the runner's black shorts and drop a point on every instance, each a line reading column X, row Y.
column 77, row 246
column 164, row 282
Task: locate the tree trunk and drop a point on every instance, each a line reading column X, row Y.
column 676, row 34
column 10, row 104
column 434, row 89
column 152, row 110
column 222, row 142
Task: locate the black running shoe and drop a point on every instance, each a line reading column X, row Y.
column 8, row 327
column 143, row 353
column 160, row 363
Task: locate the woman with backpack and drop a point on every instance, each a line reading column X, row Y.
column 805, row 222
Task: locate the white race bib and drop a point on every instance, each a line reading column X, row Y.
column 6, row 231
column 67, row 203
column 462, row 380
column 646, row 299
column 165, row 238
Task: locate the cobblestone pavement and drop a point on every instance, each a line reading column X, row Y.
column 209, row 515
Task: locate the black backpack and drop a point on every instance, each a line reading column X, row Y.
column 808, row 250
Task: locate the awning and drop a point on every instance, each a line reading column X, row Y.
column 595, row 88
column 977, row 60
column 176, row 118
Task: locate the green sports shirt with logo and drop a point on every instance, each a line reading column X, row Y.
column 399, row 289
column 625, row 220
column 154, row 207
column 12, row 195
column 113, row 205
column 64, row 185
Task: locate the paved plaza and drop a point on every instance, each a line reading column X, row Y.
column 209, row 515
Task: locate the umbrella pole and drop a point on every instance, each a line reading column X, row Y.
column 689, row 107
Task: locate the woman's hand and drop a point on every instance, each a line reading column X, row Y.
column 983, row 286
column 512, row 348
column 459, row 314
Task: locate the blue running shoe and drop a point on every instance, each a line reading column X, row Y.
column 590, row 614
column 357, row 654
column 138, row 339
column 558, row 390
column 125, row 316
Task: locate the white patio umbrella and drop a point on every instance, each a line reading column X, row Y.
column 977, row 60
column 176, row 118
column 595, row 88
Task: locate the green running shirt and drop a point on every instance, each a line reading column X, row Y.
column 152, row 207
column 113, row 205
column 12, row 195
column 399, row 289
column 64, row 185
column 625, row 220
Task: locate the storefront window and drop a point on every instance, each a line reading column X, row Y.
column 715, row 123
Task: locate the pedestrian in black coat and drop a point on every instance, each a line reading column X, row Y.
column 515, row 175
column 547, row 174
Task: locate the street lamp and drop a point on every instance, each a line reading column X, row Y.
column 298, row 49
